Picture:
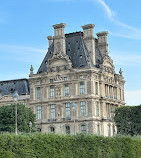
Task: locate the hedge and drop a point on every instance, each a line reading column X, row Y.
column 128, row 120
column 60, row 146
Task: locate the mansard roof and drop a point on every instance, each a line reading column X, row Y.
column 76, row 50
column 10, row 86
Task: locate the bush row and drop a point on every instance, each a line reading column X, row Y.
column 61, row 146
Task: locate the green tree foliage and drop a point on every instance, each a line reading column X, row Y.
column 7, row 118
column 128, row 120
column 60, row 146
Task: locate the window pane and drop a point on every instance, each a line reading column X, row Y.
column 67, row 129
column 83, row 129
column 82, row 108
column 98, row 130
column 52, row 129
column 67, row 111
column 96, row 88
column 66, row 90
column 52, row 112
column 81, row 87
column 97, row 109
column 109, row 132
column 38, row 93
column 38, row 112
column 52, row 91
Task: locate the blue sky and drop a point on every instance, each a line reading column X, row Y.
column 24, row 26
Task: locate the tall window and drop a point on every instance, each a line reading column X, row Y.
column 52, row 91
column 38, row 93
column 82, row 103
column 38, row 112
column 52, row 112
column 97, row 109
column 98, row 130
column 67, row 129
column 81, row 87
column 67, row 111
column 109, row 131
column 52, row 129
column 113, row 130
column 83, row 129
column 96, row 88
column 66, row 90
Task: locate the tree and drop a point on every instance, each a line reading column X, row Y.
column 7, row 118
column 128, row 120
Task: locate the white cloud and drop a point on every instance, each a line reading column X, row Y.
column 128, row 31
column 22, row 53
column 126, row 59
column 133, row 97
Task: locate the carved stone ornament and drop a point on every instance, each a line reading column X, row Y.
column 58, row 91
column 59, row 62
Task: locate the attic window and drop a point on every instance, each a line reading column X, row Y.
column 69, row 57
column 1, row 84
column 80, row 56
column 76, row 41
column 50, row 52
column 45, row 62
column 69, row 50
column 78, row 48
column 81, row 65
column 12, row 90
column 69, row 42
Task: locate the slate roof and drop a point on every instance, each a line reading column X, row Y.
column 76, row 50
column 10, row 86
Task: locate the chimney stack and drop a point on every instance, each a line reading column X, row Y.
column 89, row 40
column 102, row 42
column 50, row 40
column 59, row 38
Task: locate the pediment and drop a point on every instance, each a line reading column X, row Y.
column 59, row 62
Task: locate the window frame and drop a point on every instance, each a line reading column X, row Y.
column 52, row 91
column 67, row 90
column 83, row 108
column 39, row 112
column 38, row 93
column 81, row 88
column 52, row 109
column 67, row 108
column 83, row 130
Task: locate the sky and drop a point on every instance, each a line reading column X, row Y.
column 24, row 26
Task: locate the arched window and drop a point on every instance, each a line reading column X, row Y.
column 67, row 129
column 52, row 129
column 83, row 129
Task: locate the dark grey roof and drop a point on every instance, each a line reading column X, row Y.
column 10, row 86
column 76, row 50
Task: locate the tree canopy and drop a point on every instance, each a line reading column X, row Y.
column 24, row 116
column 128, row 120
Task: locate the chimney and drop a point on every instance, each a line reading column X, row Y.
column 59, row 38
column 102, row 42
column 50, row 40
column 89, row 40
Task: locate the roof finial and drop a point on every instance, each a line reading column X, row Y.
column 31, row 70
column 120, row 72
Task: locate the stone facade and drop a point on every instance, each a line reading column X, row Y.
column 76, row 88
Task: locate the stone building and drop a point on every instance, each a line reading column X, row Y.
column 76, row 88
